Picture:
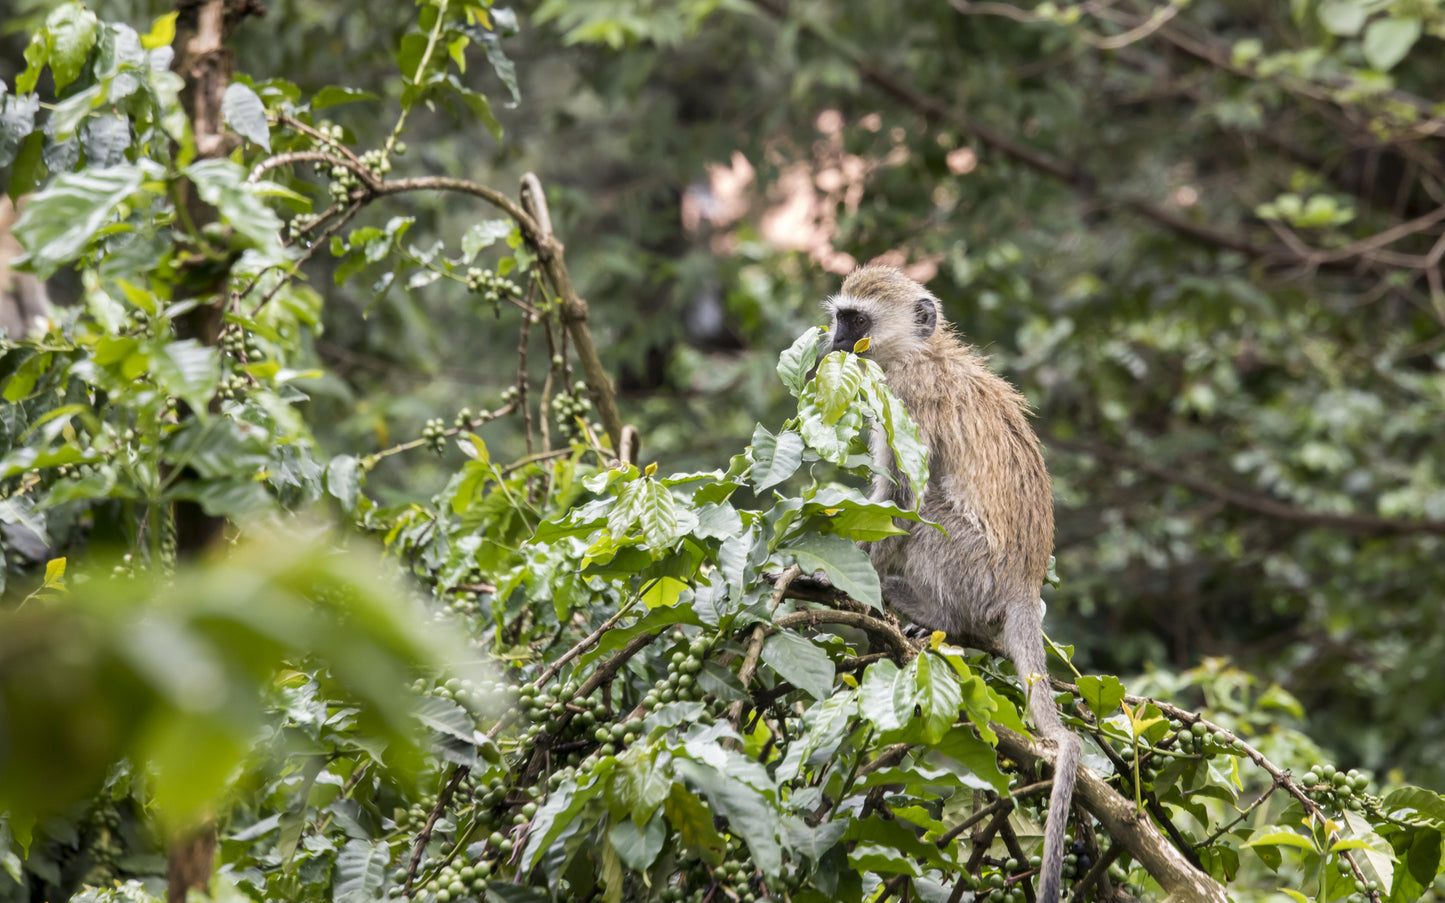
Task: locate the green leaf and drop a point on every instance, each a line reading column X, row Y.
column 28, row 169
column 331, row 95
column 881, row 698
column 663, row 522
column 22, row 382
column 245, row 113
column 343, row 480
column 775, row 458
column 17, row 120
column 361, row 871
column 59, row 222
column 222, row 184
column 801, row 663
column 72, row 29
column 1281, row 838
column 795, row 363
column 445, row 717
column 839, row 378
column 1342, row 17
column 640, row 784
column 750, row 812
column 483, row 235
column 188, row 370
column 1422, row 859
column 1102, row 693
column 1426, row 802
column 910, row 454
column 638, row 847
column 1387, row 41
column 937, row 694
column 105, row 138
column 36, row 53
column 846, row 565
column 975, row 754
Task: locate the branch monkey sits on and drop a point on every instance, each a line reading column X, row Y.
column 987, row 488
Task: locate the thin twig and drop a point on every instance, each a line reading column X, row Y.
column 459, row 773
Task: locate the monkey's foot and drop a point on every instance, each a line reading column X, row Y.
column 917, row 632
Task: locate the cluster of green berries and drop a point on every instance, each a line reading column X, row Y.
column 241, row 345
column 77, row 471
column 465, row 604
column 570, row 407
column 735, row 879
column 544, row 710
column 435, row 433
column 376, row 161
column 454, row 882
column 466, row 693
column 412, row 818
column 233, row 386
column 1340, row 789
column 492, row 287
column 1344, row 782
column 1000, row 885
column 1189, row 741
column 343, row 182
column 681, row 681
column 467, row 418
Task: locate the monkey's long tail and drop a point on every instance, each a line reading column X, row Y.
column 1066, row 766
column 1026, row 648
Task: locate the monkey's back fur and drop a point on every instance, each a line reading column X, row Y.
column 987, row 488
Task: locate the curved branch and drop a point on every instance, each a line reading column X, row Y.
column 1138, row 835
column 463, row 186
column 898, row 646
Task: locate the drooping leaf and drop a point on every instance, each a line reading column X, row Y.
column 775, row 458
column 71, row 29
column 846, row 565
column 60, row 221
column 1388, row 40
column 638, row 846
column 800, row 663
column 360, row 871
column 245, row 113
column 797, row 361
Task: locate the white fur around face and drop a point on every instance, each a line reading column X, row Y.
column 893, row 334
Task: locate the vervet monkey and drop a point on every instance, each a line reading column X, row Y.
column 988, row 489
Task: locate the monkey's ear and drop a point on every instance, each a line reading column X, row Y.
column 925, row 315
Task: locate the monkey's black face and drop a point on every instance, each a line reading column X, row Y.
column 848, row 327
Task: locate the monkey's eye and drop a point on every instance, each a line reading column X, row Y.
column 859, row 321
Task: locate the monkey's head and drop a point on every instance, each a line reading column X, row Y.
column 897, row 315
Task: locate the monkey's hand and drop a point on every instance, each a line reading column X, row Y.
column 917, row 632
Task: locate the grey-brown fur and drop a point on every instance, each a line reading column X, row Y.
column 987, row 488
